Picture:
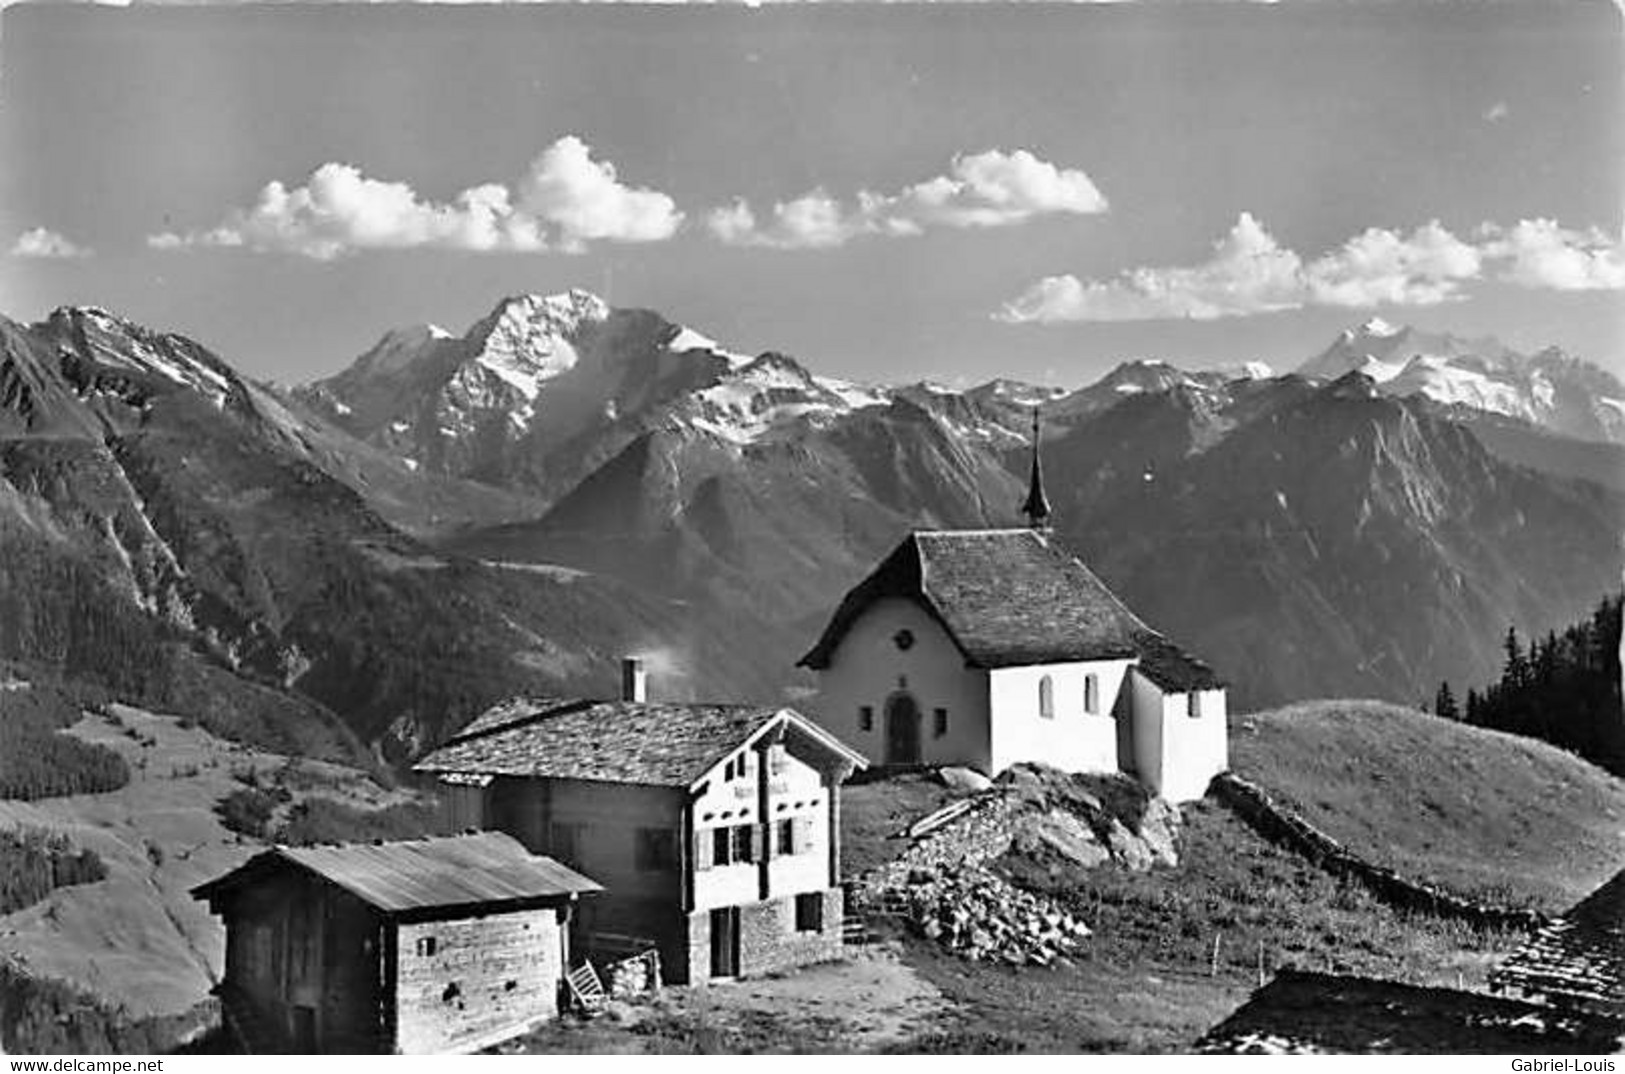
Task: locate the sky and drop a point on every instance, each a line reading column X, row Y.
column 885, row 192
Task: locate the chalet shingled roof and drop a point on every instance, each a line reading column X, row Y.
column 648, row 743
column 1577, row 960
column 485, row 869
column 1011, row 597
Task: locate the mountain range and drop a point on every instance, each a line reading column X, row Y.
column 371, row 558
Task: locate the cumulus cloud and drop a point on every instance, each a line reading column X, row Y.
column 1540, row 253
column 565, row 200
column 990, row 189
column 1250, row 272
column 1423, row 268
column 43, row 242
column 1496, row 112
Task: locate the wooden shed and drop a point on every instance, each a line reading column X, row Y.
column 421, row 946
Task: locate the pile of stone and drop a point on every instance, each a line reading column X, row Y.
column 979, row 916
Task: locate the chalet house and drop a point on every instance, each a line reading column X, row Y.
column 424, row 946
column 989, row 647
column 714, row 828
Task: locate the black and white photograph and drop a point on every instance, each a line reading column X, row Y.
column 890, row 529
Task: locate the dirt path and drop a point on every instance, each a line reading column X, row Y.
column 870, row 1001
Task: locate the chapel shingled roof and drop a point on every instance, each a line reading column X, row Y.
column 484, row 869
column 649, row 743
column 1578, row 960
column 1010, row 597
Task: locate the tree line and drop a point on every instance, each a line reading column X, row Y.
column 1563, row 688
column 37, row 760
column 33, row 863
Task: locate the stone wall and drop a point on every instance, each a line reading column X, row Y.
column 1279, row 825
column 768, row 939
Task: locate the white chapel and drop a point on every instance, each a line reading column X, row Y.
column 989, row 647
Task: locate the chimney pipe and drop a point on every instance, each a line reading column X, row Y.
column 634, row 680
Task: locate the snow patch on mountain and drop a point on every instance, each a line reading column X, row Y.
column 766, row 397
column 856, row 396
column 1550, row 389
column 1435, row 377
column 1248, row 371
column 527, row 340
column 121, row 344
column 687, row 339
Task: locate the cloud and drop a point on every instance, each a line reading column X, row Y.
column 990, row 189
column 43, row 242
column 1377, row 266
column 1540, row 253
column 1250, row 273
column 1496, row 112
column 564, row 201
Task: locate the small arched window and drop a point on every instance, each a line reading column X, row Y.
column 1046, row 698
column 1091, row 693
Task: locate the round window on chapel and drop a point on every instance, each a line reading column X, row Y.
column 903, row 639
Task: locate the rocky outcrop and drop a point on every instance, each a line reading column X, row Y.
column 947, row 887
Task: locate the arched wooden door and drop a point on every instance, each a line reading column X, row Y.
column 902, row 730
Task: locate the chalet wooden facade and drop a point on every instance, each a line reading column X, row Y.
column 714, row 828
column 422, row 946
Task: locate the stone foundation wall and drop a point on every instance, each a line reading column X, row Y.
column 768, row 939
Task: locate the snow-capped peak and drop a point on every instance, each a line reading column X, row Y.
column 122, row 344
column 687, row 339
column 529, row 339
column 1376, row 326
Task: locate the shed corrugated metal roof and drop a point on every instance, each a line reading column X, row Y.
column 1012, row 597
column 419, row 874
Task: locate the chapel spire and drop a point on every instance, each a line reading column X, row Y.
column 1036, row 508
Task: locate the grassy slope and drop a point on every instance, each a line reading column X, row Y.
column 138, row 938
column 1486, row 814
column 1148, row 983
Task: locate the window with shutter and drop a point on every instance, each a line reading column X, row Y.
column 704, row 849
column 722, row 846
column 810, row 912
column 803, row 835
column 866, row 717
column 743, row 844
column 785, row 837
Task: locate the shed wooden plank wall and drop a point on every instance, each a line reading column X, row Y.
column 483, row 976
